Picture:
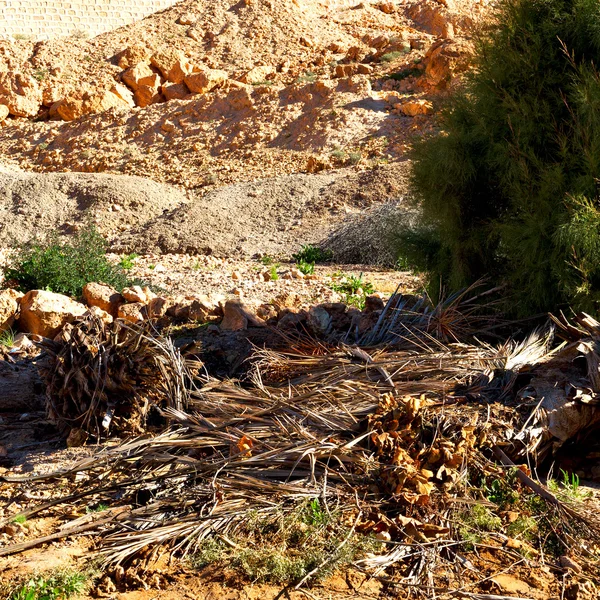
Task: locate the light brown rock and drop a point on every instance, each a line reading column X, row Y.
column 131, row 312
column 258, row 74
column 172, row 64
column 412, row 108
column 9, row 307
column 146, row 95
column 103, row 296
column 345, row 70
column 70, row 109
column 133, row 55
column 206, row 80
column 97, row 312
column 21, row 94
column 157, row 307
column 234, row 319
column 444, row 60
column 134, row 294
column 140, row 74
column 4, row 112
column 46, row 313
column 187, row 19
column 175, row 91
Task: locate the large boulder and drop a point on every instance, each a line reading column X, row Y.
column 46, row 313
column 103, row 296
column 9, row 307
column 206, row 80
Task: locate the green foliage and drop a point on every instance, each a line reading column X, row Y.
column 100, row 507
column 405, row 73
column 568, row 489
column 509, row 188
column 65, row 266
column 20, row 519
column 312, row 254
column 274, row 274
column 7, row 338
column 267, row 260
column 126, row 263
column 308, row 77
column 354, row 290
column 391, row 56
column 308, row 268
column 59, row 585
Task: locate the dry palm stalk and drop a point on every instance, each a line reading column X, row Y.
column 107, row 378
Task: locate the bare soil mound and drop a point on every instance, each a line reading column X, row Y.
column 33, row 204
column 271, row 216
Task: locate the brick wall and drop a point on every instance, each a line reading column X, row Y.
column 43, row 19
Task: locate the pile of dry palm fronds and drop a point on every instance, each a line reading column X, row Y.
column 105, row 379
column 404, row 443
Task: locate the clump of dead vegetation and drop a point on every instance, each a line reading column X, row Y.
column 409, row 458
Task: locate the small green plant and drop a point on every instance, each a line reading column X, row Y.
column 96, row 508
column 315, row 516
column 308, row 77
column 353, row 284
column 65, row 266
column 503, row 492
column 391, row 56
column 569, row 488
column 40, row 74
column 312, row 254
column 126, row 263
column 307, row 268
column 354, row 158
column 354, row 290
column 20, row 519
column 59, row 585
column 43, row 145
column 7, row 338
column 273, row 273
column 267, row 260
column 152, row 267
column 338, row 154
column 405, row 73
column 261, row 83
column 475, row 522
column 284, row 547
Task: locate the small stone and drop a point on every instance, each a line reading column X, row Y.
column 236, row 276
column 131, row 312
column 77, row 437
column 134, row 294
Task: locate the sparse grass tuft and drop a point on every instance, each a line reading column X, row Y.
column 7, row 338
column 21, row 519
column 285, row 547
column 391, row 56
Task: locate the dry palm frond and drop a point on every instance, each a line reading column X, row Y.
column 106, row 378
column 394, row 439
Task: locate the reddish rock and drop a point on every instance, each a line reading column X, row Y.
column 46, row 313
column 103, row 296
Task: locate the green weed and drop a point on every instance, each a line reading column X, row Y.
column 65, row 266
column 391, row 56
column 312, row 254
column 127, row 262
column 59, row 585
column 7, row 338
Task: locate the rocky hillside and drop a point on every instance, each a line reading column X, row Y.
column 213, row 92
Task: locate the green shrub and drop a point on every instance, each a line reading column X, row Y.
column 65, row 266
column 312, row 254
column 509, row 188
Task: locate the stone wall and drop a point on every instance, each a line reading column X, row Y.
column 43, row 19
